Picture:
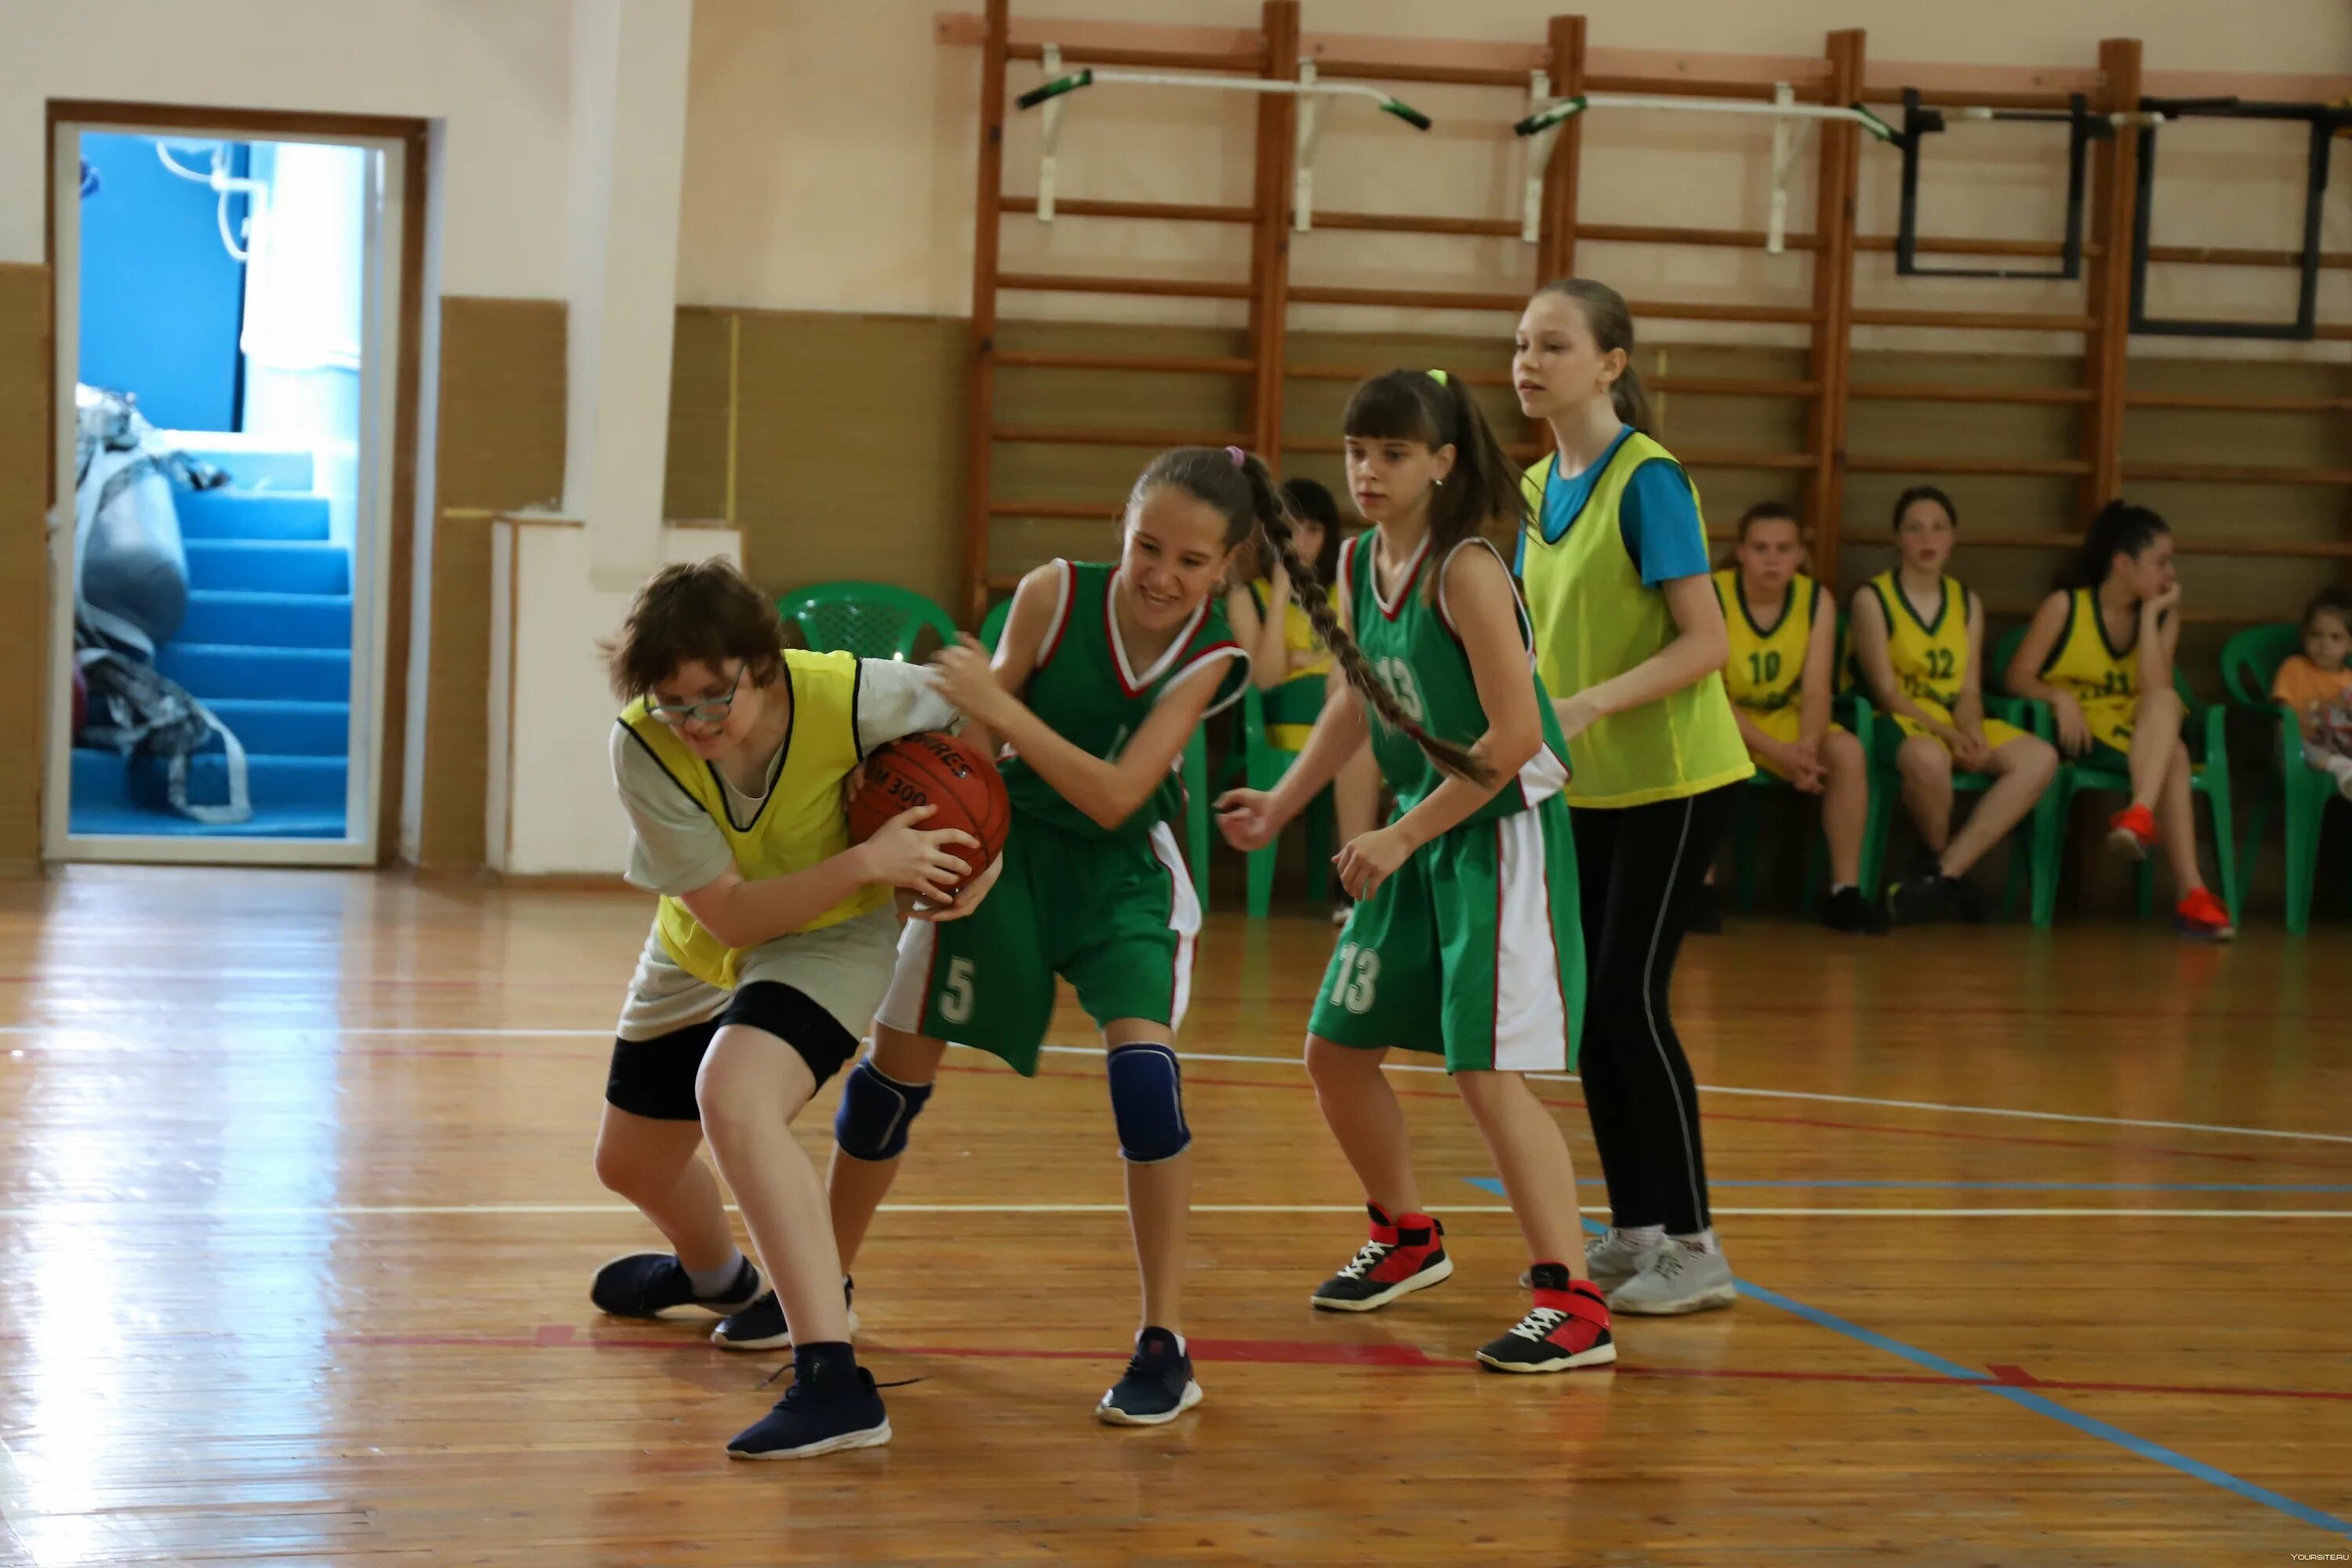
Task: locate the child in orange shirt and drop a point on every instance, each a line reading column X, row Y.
column 2318, row 687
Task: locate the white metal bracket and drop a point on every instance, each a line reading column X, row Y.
column 1302, row 169
column 1784, row 159
column 1539, row 147
column 1050, row 140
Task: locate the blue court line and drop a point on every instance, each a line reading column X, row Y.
column 2023, row 1398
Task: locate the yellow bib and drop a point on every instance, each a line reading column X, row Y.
column 1930, row 657
column 1594, row 619
column 2084, row 662
column 801, row 824
column 1298, row 629
column 1766, row 670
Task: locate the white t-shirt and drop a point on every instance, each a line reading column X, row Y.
column 676, row 847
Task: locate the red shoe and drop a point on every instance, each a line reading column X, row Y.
column 1406, row 1254
column 2131, row 832
column 2201, row 915
column 1568, row 1328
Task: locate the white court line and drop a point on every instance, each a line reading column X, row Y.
column 130, row 1207
column 398, row 1031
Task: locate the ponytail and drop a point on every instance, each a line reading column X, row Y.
column 1611, row 324
column 2120, row 529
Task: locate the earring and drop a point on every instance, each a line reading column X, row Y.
column 1439, row 483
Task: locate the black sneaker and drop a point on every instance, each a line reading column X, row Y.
column 1706, row 911
column 1566, row 1328
column 824, row 1411
column 1848, row 911
column 1400, row 1259
column 1158, row 1388
column 1969, row 904
column 647, row 1284
column 1920, row 900
column 761, row 1326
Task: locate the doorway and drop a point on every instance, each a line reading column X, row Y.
column 229, row 528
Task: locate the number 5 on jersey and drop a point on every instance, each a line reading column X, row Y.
column 955, row 992
column 1358, row 971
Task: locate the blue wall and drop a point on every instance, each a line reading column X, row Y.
column 160, row 297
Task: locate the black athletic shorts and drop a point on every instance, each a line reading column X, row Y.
column 656, row 1078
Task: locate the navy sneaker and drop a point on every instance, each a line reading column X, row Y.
column 761, row 1326
column 831, row 1406
column 647, row 1284
column 1158, row 1388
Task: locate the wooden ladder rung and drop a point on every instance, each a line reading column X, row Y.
column 1977, row 320
column 2237, row 474
column 1731, row 385
column 1171, row 212
column 1931, row 392
column 1079, row 283
column 2241, row 403
column 1747, row 460
column 1187, row 364
column 1082, row 436
column 2016, row 468
column 1091, row 510
column 1365, row 373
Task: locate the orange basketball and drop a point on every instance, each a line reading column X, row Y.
column 934, row 769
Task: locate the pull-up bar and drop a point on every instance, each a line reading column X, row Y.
column 1568, row 108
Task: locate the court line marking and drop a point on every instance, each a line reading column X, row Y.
column 404, row 1031
column 143, row 1210
column 2042, row 1405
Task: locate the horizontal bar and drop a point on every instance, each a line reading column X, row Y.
column 2025, row 467
column 1434, row 75
column 1410, row 299
column 1750, row 461
column 1976, row 320
column 1567, row 109
column 1199, row 364
column 1668, row 234
column 1171, row 212
column 1080, row 435
column 1274, row 87
column 1978, row 540
column 2173, row 255
column 2238, row 402
column 2237, row 474
column 2270, row 549
column 1388, row 222
column 1365, row 373
column 1173, row 288
column 1680, row 87
column 1955, row 245
column 1164, row 59
column 1731, row 385
column 1101, row 511
column 2226, row 256
column 1928, row 391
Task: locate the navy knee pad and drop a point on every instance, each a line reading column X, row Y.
column 876, row 1112
column 1147, row 1101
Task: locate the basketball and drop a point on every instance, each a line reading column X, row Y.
column 934, row 769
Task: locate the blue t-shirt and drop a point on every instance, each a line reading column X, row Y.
column 1657, row 517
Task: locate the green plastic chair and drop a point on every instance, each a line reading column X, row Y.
column 2205, row 728
column 1264, row 763
column 1194, row 772
column 2249, row 661
column 872, row 620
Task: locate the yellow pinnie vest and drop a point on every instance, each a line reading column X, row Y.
column 2085, row 664
column 1594, row 620
column 1766, row 670
column 1930, row 657
column 801, row 824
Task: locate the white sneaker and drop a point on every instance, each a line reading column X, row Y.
column 1611, row 1260
column 1675, row 1277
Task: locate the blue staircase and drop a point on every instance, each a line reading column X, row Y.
column 267, row 647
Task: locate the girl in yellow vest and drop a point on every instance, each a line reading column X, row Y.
column 774, row 941
column 1631, row 643
column 2100, row 653
column 1290, row 665
column 1919, row 640
column 1783, row 629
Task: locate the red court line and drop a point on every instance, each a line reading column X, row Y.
column 1321, row 1353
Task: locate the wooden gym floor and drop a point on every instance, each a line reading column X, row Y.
column 2044, row 1243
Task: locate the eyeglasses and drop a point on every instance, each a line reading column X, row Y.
column 712, row 712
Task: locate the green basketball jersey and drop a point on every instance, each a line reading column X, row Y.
column 1411, row 646
column 1092, row 694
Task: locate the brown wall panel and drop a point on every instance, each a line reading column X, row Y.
column 501, row 446
column 695, row 482
column 23, row 555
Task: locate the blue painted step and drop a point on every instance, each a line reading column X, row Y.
column 212, row 671
column 267, row 822
column 244, row 514
column 268, row 620
column 103, row 779
column 287, row 728
column 269, row 565
column 257, row 470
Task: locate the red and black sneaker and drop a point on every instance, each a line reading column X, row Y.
column 1406, row 1254
column 1568, row 1328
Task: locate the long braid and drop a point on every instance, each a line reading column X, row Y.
column 1274, row 523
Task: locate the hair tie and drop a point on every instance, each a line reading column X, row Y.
column 1240, row 457
column 1439, row 376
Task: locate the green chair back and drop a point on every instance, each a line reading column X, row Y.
column 872, row 620
column 2251, row 661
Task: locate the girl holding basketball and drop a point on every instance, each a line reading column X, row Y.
column 1631, row 641
column 1464, row 939
column 773, row 942
column 2099, row 651
column 1100, row 678
column 1918, row 641
column 1783, row 631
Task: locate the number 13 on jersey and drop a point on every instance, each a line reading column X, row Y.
column 1359, row 972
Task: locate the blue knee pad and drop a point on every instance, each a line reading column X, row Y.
column 876, row 1112
column 1147, row 1101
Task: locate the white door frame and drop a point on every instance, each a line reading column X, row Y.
column 380, row 348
